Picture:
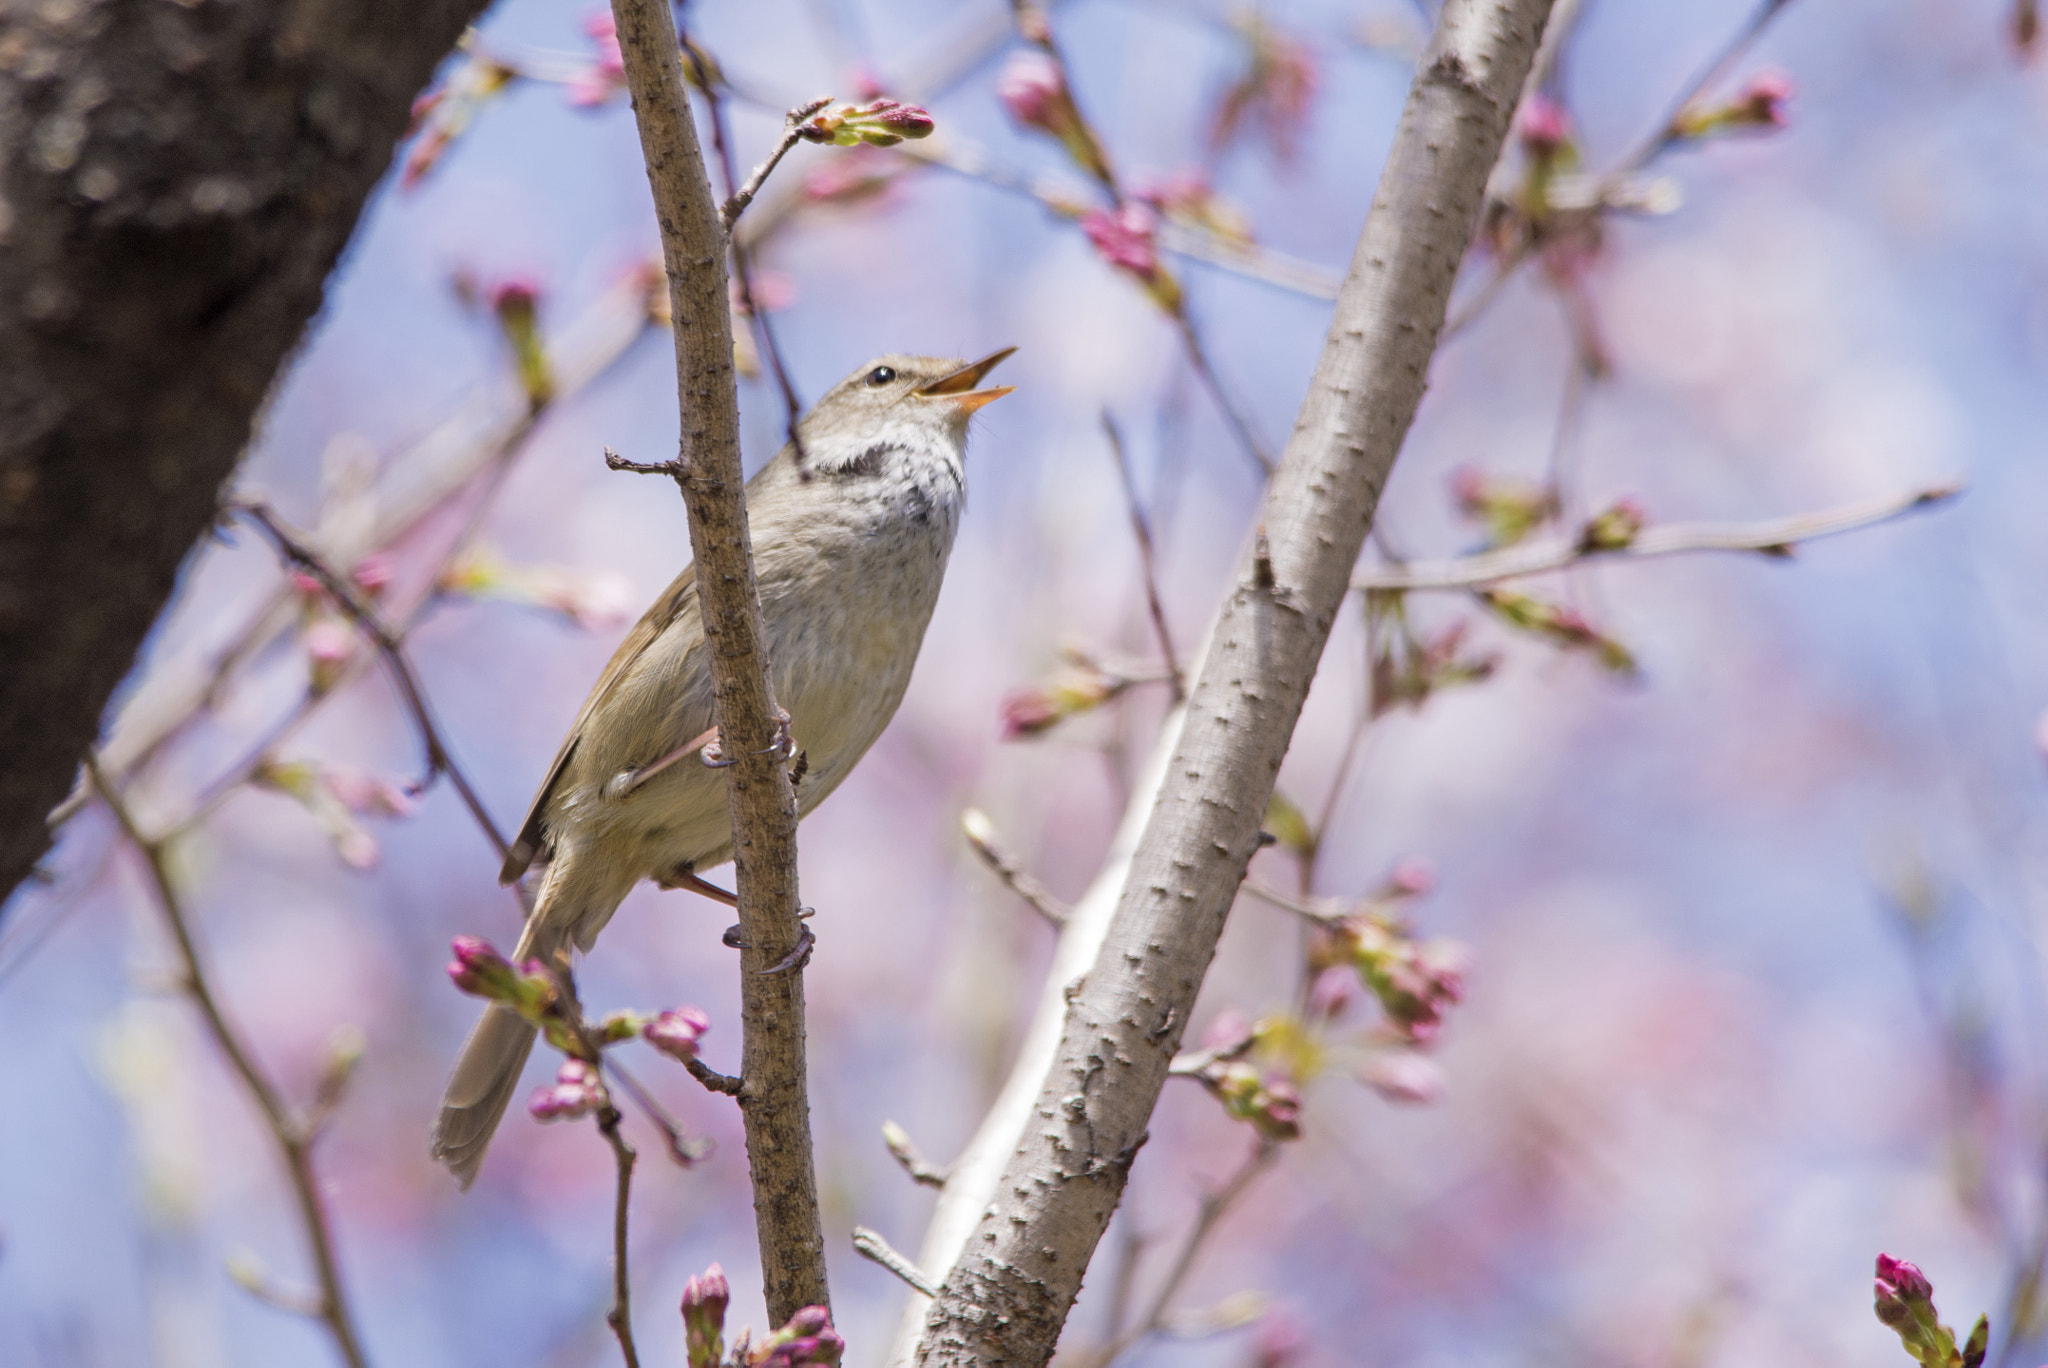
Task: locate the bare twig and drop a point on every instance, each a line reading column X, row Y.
column 792, row 123
column 1776, row 537
column 1213, row 1206
column 708, row 81
column 359, row 611
column 1322, row 911
column 1020, row 1238
column 620, row 1316
column 871, row 1246
column 773, row 1095
column 1147, row 558
column 1716, row 67
column 712, row 1079
column 981, row 836
column 294, row 1138
column 1198, row 356
column 680, row 1147
column 921, row 1170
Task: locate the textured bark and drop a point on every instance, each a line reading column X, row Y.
column 1007, row 1293
column 774, row 1096
column 176, row 181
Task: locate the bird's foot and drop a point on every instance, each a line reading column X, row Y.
column 806, row 942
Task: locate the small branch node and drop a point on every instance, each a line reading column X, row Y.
column 920, row 1169
column 873, row 1247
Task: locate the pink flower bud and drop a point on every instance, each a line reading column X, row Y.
column 878, row 123
column 1034, row 91
column 1762, row 101
column 676, row 1033
column 478, row 968
column 1026, row 712
column 808, row 1339
column 575, row 1092
column 1125, row 238
column 705, row 1298
column 373, row 572
column 1411, row 876
column 1543, row 126
column 330, row 641
column 1899, row 1282
column 1228, row 1030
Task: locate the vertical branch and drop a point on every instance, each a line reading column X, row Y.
column 293, row 1135
column 773, row 1097
column 620, row 1317
column 1025, row 1239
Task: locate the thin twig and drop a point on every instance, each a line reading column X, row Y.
column 1776, row 537
column 743, row 271
column 294, row 1140
column 1147, row 558
column 981, row 836
column 681, row 1148
column 871, row 1246
column 1214, row 1205
column 1322, row 911
column 620, row 1317
column 1199, row 356
column 712, row 1079
column 439, row 761
column 792, row 126
column 1716, row 67
column 921, row 1170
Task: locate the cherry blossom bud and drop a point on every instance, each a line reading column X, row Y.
column 1563, row 625
column 1229, row 1031
column 1402, row 1076
column 1543, row 126
column 1279, row 1341
column 878, row 123
column 1905, row 1302
column 675, row 1033
column 1411, row 877
column 605, row 76
column 1275, row 91
column 369, row 795
column 1034, row 91
column 1508, row 508
column 478, row 968
column 1127, row 239
column 1613, row 528
column 1188, row 197
column 1271, row 1105
column 575, row 1092
column 1083, row 686
column 705, row 1298
column 1759, row 106
column 517, row 305
column 808, row 1339
column 373, row 573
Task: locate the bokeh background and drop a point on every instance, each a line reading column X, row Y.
column 1754, row 984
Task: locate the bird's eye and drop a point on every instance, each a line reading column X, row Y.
column 881, row 375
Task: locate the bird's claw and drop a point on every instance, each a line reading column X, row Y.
column 797, row 958
column 782, row 748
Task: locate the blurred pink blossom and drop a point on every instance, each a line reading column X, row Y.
column 1034, row 91
column 1402, row 1076
column 676, row 1032
column 605, row 76
column 1543, row 125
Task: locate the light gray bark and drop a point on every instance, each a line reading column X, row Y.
column 1007, row 1292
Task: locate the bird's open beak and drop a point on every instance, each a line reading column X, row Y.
column 960, row 385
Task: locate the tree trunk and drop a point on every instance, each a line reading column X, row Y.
column 177, row 178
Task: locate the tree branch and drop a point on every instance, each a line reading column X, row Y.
column 294, row 1136
column 439, row 761
column 160, row 265
column 791, row 124
column 1012, row 1273
column 1776, row 537
column 773, row 1097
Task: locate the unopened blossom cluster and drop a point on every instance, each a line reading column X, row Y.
column 590, row 600
column 1905, row 1303
column 337, row 797
column 807, row 1340
column 1082, row 685
column 877, row 123
column 530, row 989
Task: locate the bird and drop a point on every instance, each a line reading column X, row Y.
column 852, row 524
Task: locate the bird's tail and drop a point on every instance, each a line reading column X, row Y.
column 487, row 1071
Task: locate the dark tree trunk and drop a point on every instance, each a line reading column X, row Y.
column 177, row 178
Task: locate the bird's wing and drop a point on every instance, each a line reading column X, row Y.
column 651, row 625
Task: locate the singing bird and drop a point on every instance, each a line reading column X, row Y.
column 851, row 535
